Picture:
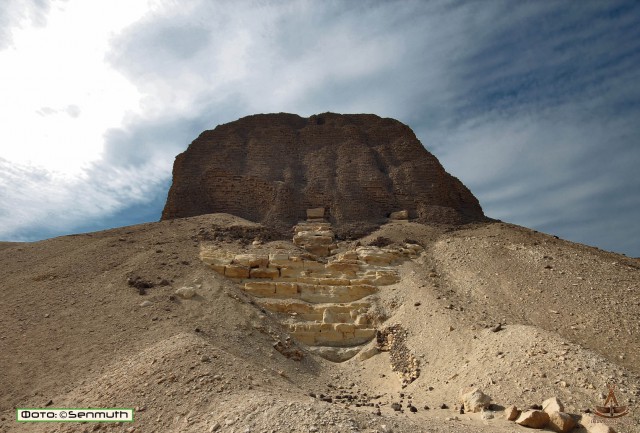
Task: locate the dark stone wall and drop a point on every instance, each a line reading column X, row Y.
column 270, row 168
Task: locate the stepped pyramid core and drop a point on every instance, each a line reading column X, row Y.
column 271, row 168
column 325, row 298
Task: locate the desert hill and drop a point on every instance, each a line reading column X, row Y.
column 75, row 333
column 318, row 275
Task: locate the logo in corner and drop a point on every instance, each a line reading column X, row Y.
column 610, row 407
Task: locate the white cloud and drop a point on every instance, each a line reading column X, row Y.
column 60, row 68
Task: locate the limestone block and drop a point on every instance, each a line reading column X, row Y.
column 561, row 422
column 552, row 405
column 287, row 289
column 345, row 267
column 313, row 226
column 218, row 268
column 309, row 238
column 511, row 413
column 295, row 262
column 377, row 256
column 236, row 271
column 386, row 277
column 321, row 294
column 260, row 288
column 330, row 338
column 399, row 215
column 251, row 260
column 361, row 290
column 344, row 327
column 347, row 256
column 328, row 316
column 313, row 265
column 533, row 419
column 264, row 273
column 317, row 212
column 305, row 337
column 474, row 400
column 360, row 281
column 277, row 260
column 318, row 250
column 288, row 272
column 333, row 281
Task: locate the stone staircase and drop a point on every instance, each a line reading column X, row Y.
column 325, row 298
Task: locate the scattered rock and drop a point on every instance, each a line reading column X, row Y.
column 497, row 328
column 533, row 419
column 140, row 284
column 444, row 406
column 486, row 414
column 561, row 422
column 396, row 406
column 146, row 304
column 511, row 413
column 474, row 400
column 552, row 404
column 186, row 292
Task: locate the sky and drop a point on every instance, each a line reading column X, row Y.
column 534, row 105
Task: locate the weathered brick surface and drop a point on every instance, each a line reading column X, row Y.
column 271, row 168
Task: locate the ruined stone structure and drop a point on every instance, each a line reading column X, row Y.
column 326, row 303
column 359, row 168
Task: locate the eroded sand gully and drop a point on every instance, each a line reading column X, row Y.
column 327, row 298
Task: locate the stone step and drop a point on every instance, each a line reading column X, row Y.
column 330, row 334
column 312, row 293
column 342, row 313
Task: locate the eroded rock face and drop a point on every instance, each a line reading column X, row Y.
column 360, row 168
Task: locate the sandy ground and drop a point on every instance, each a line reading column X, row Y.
column 73, row 333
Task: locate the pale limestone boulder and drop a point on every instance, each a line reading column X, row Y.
column 474, row 399
column 399, row 215
column 552, row 404
column 511, row 413
column 533, row 419
column 561, row 422
column 186, row 292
